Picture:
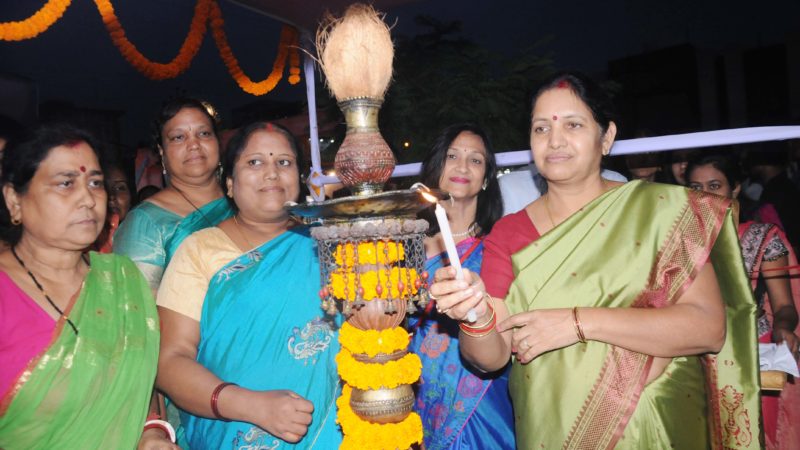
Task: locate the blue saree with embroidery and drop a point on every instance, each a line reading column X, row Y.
column 263, row 329
column 460, row 407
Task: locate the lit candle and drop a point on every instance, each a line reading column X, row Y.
column 449, row 243
column 452, row 253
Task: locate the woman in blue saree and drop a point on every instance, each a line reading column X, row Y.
column 460, row 407
column 186, row 136
column 246, row 351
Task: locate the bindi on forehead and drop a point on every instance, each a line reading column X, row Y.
column 555, row 117
column 83, row 169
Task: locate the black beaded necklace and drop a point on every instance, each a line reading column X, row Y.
column 39, row 285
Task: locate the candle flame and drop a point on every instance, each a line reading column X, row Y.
column 429, row 197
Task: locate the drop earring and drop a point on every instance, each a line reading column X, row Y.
column 485, row 184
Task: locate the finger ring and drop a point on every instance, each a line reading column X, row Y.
column 524, row 343
column 431, row 296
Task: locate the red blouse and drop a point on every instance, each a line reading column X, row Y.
column 509, row 235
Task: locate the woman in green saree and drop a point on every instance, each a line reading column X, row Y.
column 186, row 136
column 614, row 300
column 78, row 333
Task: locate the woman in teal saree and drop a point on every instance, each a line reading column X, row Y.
column 247, row 353
column 626, row 307
column 186, row 136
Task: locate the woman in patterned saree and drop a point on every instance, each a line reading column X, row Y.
column 602, row 292
column 247, row 353
column 186, row 135
column 766, row 250
column 460, row 407
column 78, row 332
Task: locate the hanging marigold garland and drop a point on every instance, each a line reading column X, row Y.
column 288, row 42
column 204, row 11
column 36, row 24
column 150, row 69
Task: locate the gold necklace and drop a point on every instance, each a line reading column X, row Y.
column 241, row 231
column 547, row 208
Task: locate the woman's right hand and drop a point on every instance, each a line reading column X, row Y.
column 456, row 297
column 282, row 413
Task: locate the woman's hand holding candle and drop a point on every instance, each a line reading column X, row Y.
column 456, row 297
column 452, row 253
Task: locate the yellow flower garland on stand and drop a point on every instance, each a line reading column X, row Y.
column 366, row 376
column 369, row 283
column 36, row 24
column 360, row 434
column 372, row 342
column 150, row 69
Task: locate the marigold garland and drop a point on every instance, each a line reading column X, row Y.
column 150, row 69
column 369, row 283
column 204, row 10
column 369, row 253
column 360, row 434
column 289, row 40
column 372, row 342
column 365, row 376
column 36, row 24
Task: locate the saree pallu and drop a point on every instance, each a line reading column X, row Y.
column 90, row 390
column 460, row 408
column 262, row 328
column 781, row 412
column 638, row 245
column 150, row 234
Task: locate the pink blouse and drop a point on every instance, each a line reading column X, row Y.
column 25, row 332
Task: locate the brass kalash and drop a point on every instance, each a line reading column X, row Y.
column 370, row 244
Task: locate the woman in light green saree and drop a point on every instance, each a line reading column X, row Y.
column 626, row 307
column 78, row 333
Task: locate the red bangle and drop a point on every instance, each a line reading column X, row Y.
column 153, row 416
column 481, row 330
column 215, row 397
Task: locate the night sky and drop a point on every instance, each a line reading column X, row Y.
column 75, row 60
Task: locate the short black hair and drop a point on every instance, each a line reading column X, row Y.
column 490, row 202
column 586, row 89
column 728, row 164
column 172, row 107
column 21, row 160
column 238, row 142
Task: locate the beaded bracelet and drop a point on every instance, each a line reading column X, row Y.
column 215, row 398
column 578, row 328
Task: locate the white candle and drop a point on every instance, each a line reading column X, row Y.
column 452, row 253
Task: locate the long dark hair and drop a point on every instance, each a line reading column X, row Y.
column 21, row 160
column 238, row 142
column 490, row 202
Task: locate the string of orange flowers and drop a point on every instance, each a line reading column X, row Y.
column 204, row 11
column 288, row 42
column 36, row 24
column 150, row 69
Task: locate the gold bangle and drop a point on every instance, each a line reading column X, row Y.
column 488, row 321
column 577, row 323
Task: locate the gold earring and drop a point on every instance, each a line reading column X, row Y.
column 15, row 221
